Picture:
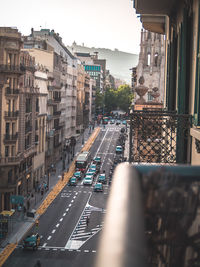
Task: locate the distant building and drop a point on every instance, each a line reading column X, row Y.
column 151, row 63
column 94, row 70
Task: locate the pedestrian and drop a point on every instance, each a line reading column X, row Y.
column 87, row 220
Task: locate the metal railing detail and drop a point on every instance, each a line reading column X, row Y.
column 160, row 136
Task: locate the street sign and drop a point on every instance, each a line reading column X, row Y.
column 17, row 199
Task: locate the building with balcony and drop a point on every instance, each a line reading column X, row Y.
column 173, row 134
column 10, row 156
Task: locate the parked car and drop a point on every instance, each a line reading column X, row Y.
column 87, row 180
column 31, row 241
column 73, row 181
column 102, row 178
column 98, row 187
column 119, row 150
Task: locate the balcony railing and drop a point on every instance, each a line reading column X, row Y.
column 165, row 199
column 9, row 91
column 10, row 137
column 11, row 160
column 57, row 113
column 28, row 129
column 159, row 136
column 11, row 114
column 10, row 68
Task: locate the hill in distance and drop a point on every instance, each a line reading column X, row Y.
column 117, row 62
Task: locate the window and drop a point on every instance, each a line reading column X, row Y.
column 7, row 128
column 9, row 59
column 156, row 59
column 148, row 59
column 6, row 151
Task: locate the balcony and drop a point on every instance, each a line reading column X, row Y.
column 11, row 92
column 58, row 127
column 10, row 69
column 28, row 129
column 11, row 114
column 57, row 99
column 30, row 151
column 50, row 87
column 10, row 138
column 49, row 117
column 57, row 113
column 159, row 136
column 156, row 205
column 11, row 160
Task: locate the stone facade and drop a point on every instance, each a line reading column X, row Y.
column 151, row 63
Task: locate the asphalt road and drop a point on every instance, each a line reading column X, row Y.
column 66, row 239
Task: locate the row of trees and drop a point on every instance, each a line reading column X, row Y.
column 113, row 99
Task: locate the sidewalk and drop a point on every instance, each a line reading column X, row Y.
column 20, row 224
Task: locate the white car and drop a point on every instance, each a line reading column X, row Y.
column 87, row 180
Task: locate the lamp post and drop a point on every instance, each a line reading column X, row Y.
column 131, row 136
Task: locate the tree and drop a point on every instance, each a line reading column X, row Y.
column 124, row 97
column 110, row 99
column 99, row 100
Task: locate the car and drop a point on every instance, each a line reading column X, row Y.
column 119, row 150
column 97, row 160
column 31, row 241
column 98, row 187
column 87, row 180
column 118, row 122
column 73, row 181
column 92, row 170
column 90, row 173
column 124, row 122
column 102, row 178
column 78, row 175
column 112, row 121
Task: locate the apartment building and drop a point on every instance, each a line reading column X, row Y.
column 10, row 156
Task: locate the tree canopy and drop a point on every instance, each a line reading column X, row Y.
column 113, row 99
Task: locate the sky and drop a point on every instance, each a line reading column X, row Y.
column 94, row 23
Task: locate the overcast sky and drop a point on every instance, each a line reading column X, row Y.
column 96, row 23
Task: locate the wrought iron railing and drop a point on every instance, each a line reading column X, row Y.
column 165, row 199
column 159, row 136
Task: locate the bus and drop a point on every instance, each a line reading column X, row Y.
column 82, row 161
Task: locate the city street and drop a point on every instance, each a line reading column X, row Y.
column 66, row 238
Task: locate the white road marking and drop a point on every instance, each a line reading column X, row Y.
column 64, row 214
column 49, row 237
column 57, row 225
column 67, row 209
column 44, row 245
column 94, row 251
column 53, row 231
column 86, row 250
column 74, row 197
column 69, row 205
column 61, row 219
column 72, row 201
